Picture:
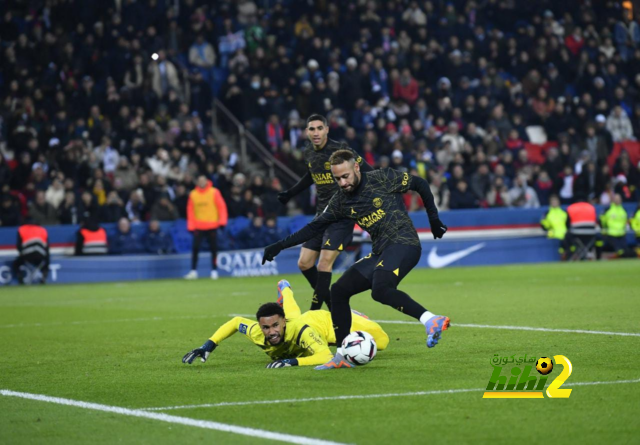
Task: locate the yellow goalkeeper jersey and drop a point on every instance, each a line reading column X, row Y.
column 307, row 336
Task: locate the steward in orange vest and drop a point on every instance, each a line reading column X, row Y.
column 91, row 240
column 33, row 254
column 206, row 212
column 582, row 222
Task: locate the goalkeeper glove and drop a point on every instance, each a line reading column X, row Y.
column 202, row 352
column 284, row 197
column 285, row 363
column 438, row 229
column 272, row 251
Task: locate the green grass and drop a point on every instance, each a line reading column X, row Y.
column 120, row 344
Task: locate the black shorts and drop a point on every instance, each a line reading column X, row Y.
column 397, row 258
column 337, row 237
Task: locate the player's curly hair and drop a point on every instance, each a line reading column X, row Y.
column 340, row 156
column 269, row 310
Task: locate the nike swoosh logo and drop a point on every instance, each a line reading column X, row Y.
column 436, row 262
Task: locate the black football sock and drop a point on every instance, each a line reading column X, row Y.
column 311, row 275
column 322, row 293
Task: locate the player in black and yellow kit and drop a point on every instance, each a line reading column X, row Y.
column 289, row 337
column 324, row 247
column 374, row 201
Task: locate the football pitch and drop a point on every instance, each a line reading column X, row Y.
column 102, row 363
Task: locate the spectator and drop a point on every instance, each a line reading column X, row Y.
column 544, row 187
column 163, row 209
column 135, row 207
column 405, row 88
column 10, row 214
column 522, row 195
column 124, row 241
column 5, row 172
column 619, row 125
column 596, row 145
column 164, row 75
column 41, row 212
column 272, row 232
column 113, row 210
column 253, row 235
column 498, row 195
column 274, row 132
column 462, row 198
column 125, row 176
column 107, row 155
column 181, row 201
column 69, row 211
column 481, row 182
column 202, row 56
column 88, row 206
column 565, row 185
column 156, row 241
column 55, row 193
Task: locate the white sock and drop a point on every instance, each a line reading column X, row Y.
column 425, row 317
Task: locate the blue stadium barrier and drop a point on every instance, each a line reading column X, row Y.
column 247, row 263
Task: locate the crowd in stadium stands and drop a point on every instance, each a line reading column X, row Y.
column 105, row 107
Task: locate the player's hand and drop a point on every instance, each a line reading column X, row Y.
column 284, row 197
column 202, row 352
column 285, row 363
column 437, row 228
column 271, row 251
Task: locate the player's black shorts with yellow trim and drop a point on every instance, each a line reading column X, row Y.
column 337, row 237
column 396, row 258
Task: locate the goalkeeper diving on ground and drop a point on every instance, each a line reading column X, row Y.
column 287, row 336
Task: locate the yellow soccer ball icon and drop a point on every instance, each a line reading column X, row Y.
column 544, row 365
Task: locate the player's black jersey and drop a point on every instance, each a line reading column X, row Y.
column 317, row 162
column 377, row 206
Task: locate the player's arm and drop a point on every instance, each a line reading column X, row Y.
column 401, row 182
column 317, row 351
column 304, row 183
column 236, row 324
column 438, row 229
column 331, row 214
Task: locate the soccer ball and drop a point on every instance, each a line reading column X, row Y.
column 359, row 348
column 544, row 365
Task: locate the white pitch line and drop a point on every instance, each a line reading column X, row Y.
column 521, row 328
column 227, row 428
column 313, row 399
column 363, row 396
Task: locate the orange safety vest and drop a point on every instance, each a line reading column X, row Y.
column 206, row 209
column 582, row 217
column 94, row 241
column 34, row 239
